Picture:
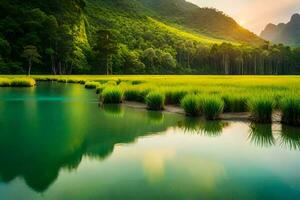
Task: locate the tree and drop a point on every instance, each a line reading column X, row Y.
column 51, row 53
column 149, row 55
column 106, row 46
column 32, row 55
column 168, row 61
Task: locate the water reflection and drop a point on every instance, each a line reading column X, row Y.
column 47, row 137
column 203, row 127
column 290, row 137
column 261, row 135
column 37, row 152
column 113, row 110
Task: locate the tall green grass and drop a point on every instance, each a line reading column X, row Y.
column 174, row 96
column 112, row 95
column 155, row 100
column 191, row 105
column 290, row 108
column 235, row 103
column 212, row 107
column 261, row 108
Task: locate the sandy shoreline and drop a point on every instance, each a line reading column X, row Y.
column 245, row 116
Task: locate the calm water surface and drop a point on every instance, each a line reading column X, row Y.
column 57, row 143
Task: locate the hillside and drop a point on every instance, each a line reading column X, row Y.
column 288, row 33
column 128, row 37
column 204, row 20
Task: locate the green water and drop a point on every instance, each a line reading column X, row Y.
column 57, row 143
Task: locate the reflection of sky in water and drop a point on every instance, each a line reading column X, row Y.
column 87, row 152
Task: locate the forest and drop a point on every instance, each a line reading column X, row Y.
column 126, row 37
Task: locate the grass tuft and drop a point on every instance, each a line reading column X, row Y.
column 174, row 96
column 261, row 109
column 112, row 95
column 155, row 100
column 191, row 105
column 212, row 107
column 290, row 108
column 235, row 103
column 22, row 82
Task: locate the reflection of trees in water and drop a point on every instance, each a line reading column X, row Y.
column 200, row 126
column 261, row 135
column 290, row 137
column 39, row 156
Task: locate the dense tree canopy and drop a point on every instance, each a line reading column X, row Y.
column 120, row 37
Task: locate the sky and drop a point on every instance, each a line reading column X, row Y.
column 254, row 14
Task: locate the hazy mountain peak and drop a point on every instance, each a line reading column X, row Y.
column 288, row 33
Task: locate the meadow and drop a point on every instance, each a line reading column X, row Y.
column 207, row 96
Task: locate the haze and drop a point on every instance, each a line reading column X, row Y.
column 254, row 14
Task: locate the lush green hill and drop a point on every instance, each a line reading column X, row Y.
column 204, row 20
column 129, row 36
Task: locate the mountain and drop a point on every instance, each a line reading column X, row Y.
column 288, row 33
column 207, row 21
column 127, row 37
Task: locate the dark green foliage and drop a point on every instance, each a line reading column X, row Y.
column 155, row 100
column 119, row 37
column 290, row 108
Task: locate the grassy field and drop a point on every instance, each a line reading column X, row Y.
column 207, row 96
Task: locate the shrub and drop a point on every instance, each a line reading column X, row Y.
column 22, row 82
column 155, row 101
column 261, row 109
column 290, row 108
column 212, row 107
column 91, row 85
column 235, row 103
column 191, row 105
column 175, row 96
column 112, row 95
column 4, row 82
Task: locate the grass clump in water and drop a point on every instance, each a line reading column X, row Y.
column 191, row 105
column 155, row 100
column 112, row 95
column 212, row 107
column 261, row 109
column 91, row 85
column 4, row 82
column 290, row 108
column 22, row 82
